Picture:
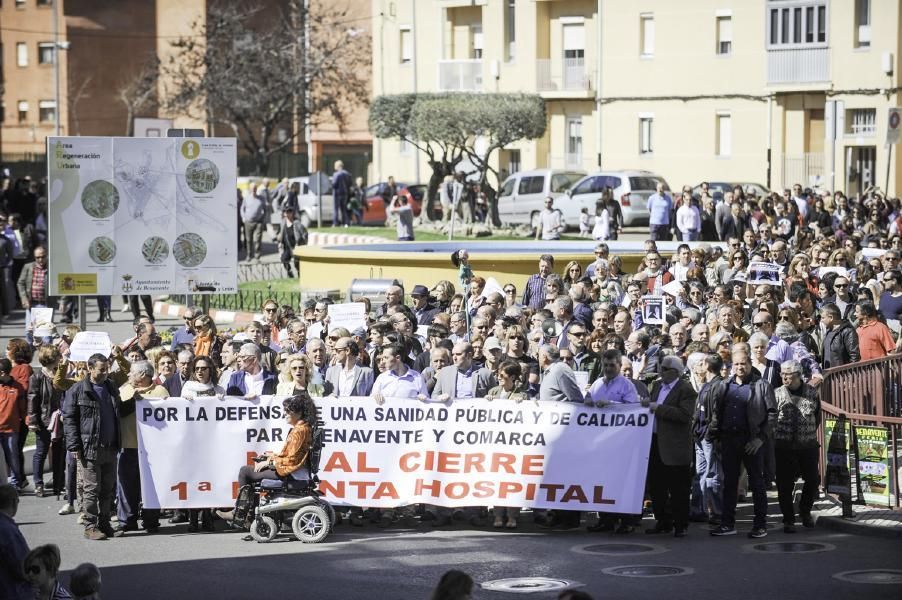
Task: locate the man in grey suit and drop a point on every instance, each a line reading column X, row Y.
column 346, row 376
column 672, row 402
column 463, row 379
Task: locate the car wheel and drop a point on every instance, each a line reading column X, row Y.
column 264, row 529
column 311, row 524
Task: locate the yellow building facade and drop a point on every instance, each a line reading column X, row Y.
column 773, row 92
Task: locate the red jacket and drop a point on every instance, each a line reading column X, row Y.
column 11, row 414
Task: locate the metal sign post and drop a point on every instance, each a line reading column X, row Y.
column 893, row 130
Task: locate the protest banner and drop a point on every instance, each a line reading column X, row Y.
column 840, row 271
column 653, row 310
column 87, row 343
column 759, row 273
column 350, row 315
column 873, row 464
column 873, row 252
column 467, row 453
column 41, row 317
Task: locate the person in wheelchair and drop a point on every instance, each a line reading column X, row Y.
column 289, row 465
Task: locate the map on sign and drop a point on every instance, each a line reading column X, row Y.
column 143, row 215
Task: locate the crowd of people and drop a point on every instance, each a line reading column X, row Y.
column 731, row 370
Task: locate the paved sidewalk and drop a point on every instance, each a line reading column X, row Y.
column 868, row 520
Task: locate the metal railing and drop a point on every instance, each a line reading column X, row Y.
column 460, row 75
column 562, row 74
column 798, row 65
column 869, row 393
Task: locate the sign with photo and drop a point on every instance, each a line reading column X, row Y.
column 762, row 273
column 653, row 310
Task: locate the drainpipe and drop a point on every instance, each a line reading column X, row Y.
column 770, row 124
column 414, row 66
column 598, row 67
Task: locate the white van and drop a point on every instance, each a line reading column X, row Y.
column 631, row 190
column 522, row 195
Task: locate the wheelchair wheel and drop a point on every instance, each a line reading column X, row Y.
column 311, row 524
column 264, row 529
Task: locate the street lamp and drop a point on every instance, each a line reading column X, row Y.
column 57, row 46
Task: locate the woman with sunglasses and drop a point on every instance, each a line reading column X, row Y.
column 297, row 377
column 41, row 568
column 737, row 263
column 572, row 273
column 510, row 296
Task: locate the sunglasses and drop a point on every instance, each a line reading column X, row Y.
column 578, row 333
column 270, row 309
column 840, row 285
column 760, row 323
column 785, row 318
column 335, row 338
column 33, row 569
column 299, row 368
column 197, row 369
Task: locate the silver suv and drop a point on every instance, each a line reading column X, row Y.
column 631, row 190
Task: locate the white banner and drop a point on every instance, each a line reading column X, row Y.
column 142, row 215
column 469, row 453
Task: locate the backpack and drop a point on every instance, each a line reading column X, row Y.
column 304, row 237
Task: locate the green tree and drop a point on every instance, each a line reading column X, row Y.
column 449, row 128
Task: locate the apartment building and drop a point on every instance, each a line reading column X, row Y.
column 765, row 91
column 32, row 34
column 101, row 46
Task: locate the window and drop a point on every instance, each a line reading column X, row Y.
column 20, row 3
column 574, row 141
column 22, row 109
column 2, row 111
column 589, row 185
column 513, row 161
column 724, row 134
column 797, row 23
column 561, row 182
column 508, row 188
column 406, row 45
column 531, row 185
column 861, row 121
column 724, row 35
column 22, row 54
column 647, row 34
column 645, row 134
column 646, row 183
column 477, row 41
column 45, row 53
column 510, row 28
column 862, row 23
column 47, row 111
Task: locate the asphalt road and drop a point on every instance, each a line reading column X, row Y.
column 367, row 563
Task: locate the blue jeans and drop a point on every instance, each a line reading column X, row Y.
column 709, row 469
column 41, row 450
column 10, row 444
column 660, row 233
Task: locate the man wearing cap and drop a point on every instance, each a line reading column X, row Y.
column 672, row 401
column 795, row 443
column 424, row 311
column 463, row 379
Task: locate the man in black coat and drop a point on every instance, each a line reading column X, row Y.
column 840, row 345
column 91, row 420
column 292, row 234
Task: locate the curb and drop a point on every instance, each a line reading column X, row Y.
column 219, row 316
column 850, row 526
column 341, row 239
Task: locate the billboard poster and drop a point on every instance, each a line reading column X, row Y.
column 873, row 464
column 142, row 215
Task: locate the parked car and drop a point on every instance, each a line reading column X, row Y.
column 631, row 190
column 376, row 214
column 308, row 203
column 717, row 189
column 522, row 195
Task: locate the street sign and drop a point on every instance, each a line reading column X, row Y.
column 893, row 126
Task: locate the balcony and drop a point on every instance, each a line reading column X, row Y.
column 460, row 75
column 798, row 65
column 562, row 75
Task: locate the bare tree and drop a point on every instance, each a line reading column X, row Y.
column 139, row 94
column 261, row 74
column 74, row 98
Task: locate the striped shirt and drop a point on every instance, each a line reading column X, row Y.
column 534, row 292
